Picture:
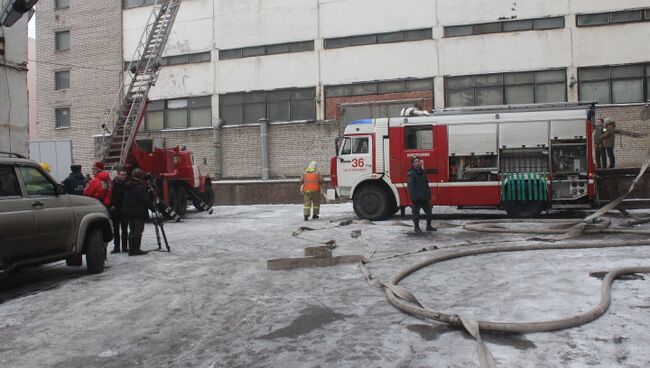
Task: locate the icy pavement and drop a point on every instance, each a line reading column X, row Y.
column 212, row 302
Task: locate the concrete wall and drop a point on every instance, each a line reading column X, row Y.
column 14, row 136
column 95, row 61
column 31, row 87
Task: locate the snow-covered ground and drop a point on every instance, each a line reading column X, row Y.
column 213, row 303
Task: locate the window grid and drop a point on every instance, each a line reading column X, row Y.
column 62, row 117
column 128, row 4
column 504, row 26
column 179, row 113
column 615, row 17
column 62, row 40
column 495, row 89
column 276, row 105
column 62, row 79
column 61, row 4
column 200, row 57
column 376, row 38
column 601, row 75
column 273, row 49
column 373, row 88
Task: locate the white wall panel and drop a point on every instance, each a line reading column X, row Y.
column 377, row 62
column 595, row 6
column 513, row 51
column 267, row 72
column 456, row 12
column 355, row 17
column 252, row 22
column 184, row 80
column 593, row 45
column 192, row 30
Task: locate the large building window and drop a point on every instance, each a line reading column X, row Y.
column 62, row 40
column 277, row 105
column 615, row 84
column 280, row 48
column 179, row 113
column 61, row 4
column 62, row 79
column 375, row 38
column 200, row 57
column 375, row 88
column 602, row 19
column 62, row 117
column 505, row 26
column 506, row 88
column 126, row 4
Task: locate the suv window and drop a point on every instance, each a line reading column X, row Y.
column 35, row 182
column 9, row 183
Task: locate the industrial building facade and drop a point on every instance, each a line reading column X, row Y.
column 312, row 66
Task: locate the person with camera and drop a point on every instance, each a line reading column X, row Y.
column 135, row 207
column 117, row 217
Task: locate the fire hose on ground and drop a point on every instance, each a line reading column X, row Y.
column 405, row 301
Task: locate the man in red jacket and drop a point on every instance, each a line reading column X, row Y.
column 100, row 186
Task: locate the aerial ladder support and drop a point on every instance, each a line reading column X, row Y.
column 127, row 113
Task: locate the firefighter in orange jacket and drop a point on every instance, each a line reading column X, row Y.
column 311, row 181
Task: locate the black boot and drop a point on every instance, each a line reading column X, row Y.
column 315, row 217
column 306, row 217
column 416, row 228
column 116, row 249
column 430, row 228
column 136, row 248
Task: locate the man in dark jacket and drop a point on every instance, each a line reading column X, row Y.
column 418, row 187
column 137, row 201
column 76, row 182
column 119, row 220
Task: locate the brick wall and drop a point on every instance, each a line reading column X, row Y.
column 95, row 61
column 630, row 152
column 291, row 147
column 333, row 104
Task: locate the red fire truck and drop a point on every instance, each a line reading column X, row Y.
column 523, row 159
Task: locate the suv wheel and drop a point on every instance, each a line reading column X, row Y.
column 95, row 252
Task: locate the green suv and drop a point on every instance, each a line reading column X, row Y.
column 40, row 224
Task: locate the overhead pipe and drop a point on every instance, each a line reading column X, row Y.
column 264, row 143
column 216, row 142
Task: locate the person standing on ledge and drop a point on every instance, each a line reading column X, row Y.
column 609, row 138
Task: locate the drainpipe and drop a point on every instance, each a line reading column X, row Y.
column 216, row 142
column 264, row 140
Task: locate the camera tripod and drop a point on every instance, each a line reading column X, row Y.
column 158, row 223
column 157, row 218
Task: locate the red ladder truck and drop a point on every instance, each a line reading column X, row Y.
column 523, row 159
column 174, row 170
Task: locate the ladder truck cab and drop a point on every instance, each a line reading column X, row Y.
column 522, row 159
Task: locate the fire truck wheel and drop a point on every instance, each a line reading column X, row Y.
column 371, row 202
column 524, row 209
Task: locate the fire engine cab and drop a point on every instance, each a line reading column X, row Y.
column 522, row 159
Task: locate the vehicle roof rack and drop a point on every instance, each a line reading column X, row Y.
column 18, row 155
column 514, row 108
